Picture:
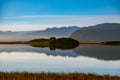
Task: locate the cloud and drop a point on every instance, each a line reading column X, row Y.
column 29, row 27
column 39, row 16
column 38, row 22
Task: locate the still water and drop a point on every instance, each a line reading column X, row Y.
column 98, row 59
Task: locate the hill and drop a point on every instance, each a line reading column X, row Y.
column 100, row 32
column 29, row 35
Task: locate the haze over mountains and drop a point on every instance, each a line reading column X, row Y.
column 28, row 35
column 100, row 32
column 58, row 32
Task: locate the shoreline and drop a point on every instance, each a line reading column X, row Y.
column 56, row 41
column 27, row 42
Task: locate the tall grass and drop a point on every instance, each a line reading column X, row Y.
column 54, row 76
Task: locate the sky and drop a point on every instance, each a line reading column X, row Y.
column 23, row 15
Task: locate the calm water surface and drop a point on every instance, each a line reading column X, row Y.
column 98, row 59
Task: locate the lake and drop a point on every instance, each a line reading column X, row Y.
column 99, row 59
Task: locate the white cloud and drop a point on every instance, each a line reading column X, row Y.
column 29, row 27
column 37, row 16
column 38, row 22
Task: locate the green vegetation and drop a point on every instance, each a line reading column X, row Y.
column 53, row 43
column 111, row 43
column 39, row 40
column 90, row 42
column 54, row 76
column 63, row 43
column 103, row 43
column 60, row 43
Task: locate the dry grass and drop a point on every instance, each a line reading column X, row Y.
column 54, row 76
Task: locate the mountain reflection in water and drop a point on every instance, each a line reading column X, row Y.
column 26, row 48
column 98, row 59
column 102, row 52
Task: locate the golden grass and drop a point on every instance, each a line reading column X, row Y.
column 54, row 76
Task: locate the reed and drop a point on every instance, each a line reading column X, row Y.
column 54, row 76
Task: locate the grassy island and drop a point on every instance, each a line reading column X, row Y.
column 68, row 41
column 60, row 43
column 52, row 43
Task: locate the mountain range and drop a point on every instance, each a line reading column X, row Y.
column 29, row 35
column 100, row 32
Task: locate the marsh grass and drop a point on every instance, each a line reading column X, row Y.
column 54, row 76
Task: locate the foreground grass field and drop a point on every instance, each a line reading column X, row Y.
column 54, row 76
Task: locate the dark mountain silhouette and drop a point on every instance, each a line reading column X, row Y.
column 102, row 52
column 100, row 32
column 29, row 35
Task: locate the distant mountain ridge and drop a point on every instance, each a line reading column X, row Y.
column 63, row 31
column 104, row 26
column 29, row 35
column 100, row 32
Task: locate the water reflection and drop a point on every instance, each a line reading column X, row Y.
column 103, row 52
column 26, row 61
column 45, row 50
column 98, row 59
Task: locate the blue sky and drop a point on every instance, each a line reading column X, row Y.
column 40, row 14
